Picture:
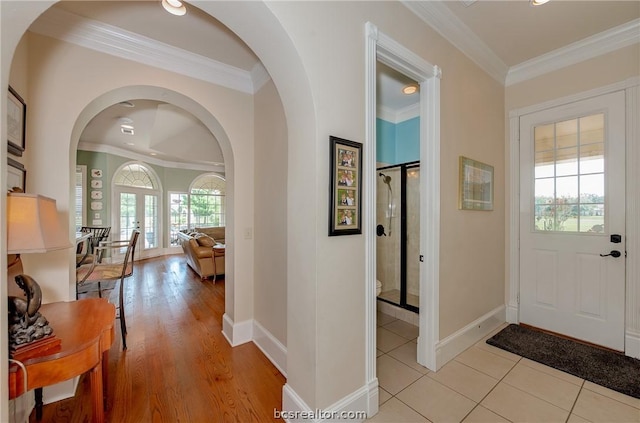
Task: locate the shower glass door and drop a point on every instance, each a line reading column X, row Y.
column 398, row 241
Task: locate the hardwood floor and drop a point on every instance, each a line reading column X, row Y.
column 178, row 367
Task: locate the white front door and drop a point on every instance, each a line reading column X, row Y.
column 572, row 220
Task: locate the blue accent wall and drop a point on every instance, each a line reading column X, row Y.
column 398, row 143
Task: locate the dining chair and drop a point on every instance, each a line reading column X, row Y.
column 97, row 272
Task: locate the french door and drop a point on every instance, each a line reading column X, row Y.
column 572, row 220
column 138, row 209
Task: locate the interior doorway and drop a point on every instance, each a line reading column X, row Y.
column 382, row 49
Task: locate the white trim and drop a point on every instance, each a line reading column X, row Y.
column 632, row 341
column 273, row 349
column 352, row 403
column 237, row 333
column 513, row 254
column 632, row 88
column 469, row 335
column 118, row 42
column 369, row 216
column 259, row 76
column 130, row 155
column 398, row 116
column 380, row 47
column 588, row 48
column 441, row 18
column 632, row 344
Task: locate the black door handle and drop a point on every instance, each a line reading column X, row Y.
column 613, row 253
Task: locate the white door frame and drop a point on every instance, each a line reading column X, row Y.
column 632, row 131
column 380, row 47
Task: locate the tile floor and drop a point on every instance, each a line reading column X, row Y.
column 485, row 384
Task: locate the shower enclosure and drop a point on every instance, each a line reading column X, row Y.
column 398, row 230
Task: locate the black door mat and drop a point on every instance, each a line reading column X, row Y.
column 606, row 368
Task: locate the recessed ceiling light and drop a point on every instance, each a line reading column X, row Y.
column 410, row 89
column 130, row 143
column 126, row 129
column 175, row 7
column 153, row 154
column 538, row 2
column 126, row 104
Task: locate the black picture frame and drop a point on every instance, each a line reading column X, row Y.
column 16, row 176
column 345, row 188
column 16, row 123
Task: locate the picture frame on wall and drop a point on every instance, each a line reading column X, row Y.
column 345, row 191
column 16, row 176
column 475, row 191
column 16, row 123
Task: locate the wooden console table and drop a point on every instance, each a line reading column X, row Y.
column 86, row 330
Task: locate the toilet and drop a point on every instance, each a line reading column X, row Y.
column 378, row 287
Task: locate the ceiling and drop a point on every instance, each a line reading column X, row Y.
column 478, row 30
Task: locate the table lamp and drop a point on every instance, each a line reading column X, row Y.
column 32, row 227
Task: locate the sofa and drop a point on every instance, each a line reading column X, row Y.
column 197, row 245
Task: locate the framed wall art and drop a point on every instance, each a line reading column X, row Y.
column 475, row 191
column 345, row 190
column 16, row 123
column 16, row 176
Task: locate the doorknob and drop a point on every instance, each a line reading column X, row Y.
column 613, row 253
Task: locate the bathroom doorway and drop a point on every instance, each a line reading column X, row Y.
column 398, row 235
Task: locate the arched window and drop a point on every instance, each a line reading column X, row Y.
column 135, row 175
column 207, row 195
column 202, row 206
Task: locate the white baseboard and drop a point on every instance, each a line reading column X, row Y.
column 237, row 333
column 459, row 341
column 632, row 344
column 352, row 408
column 512, row 313
column 271, row 347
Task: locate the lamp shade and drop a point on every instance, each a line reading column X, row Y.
column 33, row 225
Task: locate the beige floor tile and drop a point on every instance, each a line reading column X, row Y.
column 394, row 376
column 577, row 419
column 464, row 380
column 387, row 340
column 435, row 401
column 394, row 411
column 599, row 408
column 518, row 406
column 544, row 386
column 384, row 319
column 497, row 351
column 482, row 415
column 407, row 354
column 404, row 329
column 634, row 402
column 553, row 372
column 486, row 362
column 383, row 396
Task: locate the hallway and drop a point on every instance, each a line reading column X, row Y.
column 179, row 366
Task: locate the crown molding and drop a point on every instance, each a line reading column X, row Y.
column 400, row 115
column 605, row 42
column 118, row 42
column 440, row 18
column 109, row 149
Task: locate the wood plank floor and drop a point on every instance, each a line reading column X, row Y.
column 178, row 367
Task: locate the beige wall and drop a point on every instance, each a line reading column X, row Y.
column 270, row 266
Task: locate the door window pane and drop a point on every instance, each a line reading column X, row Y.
column 569, row 176
column 127, row 214
column 150, row 221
